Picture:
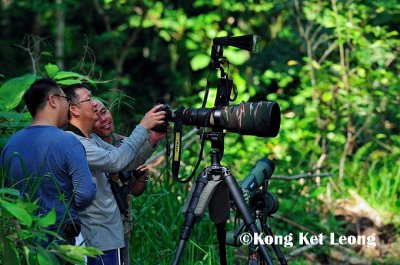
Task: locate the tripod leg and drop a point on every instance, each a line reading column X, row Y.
column 190, row 217
column 219, row 213
column 241, row 205
column 255, row 257
column 221, row 233
column 275, row 247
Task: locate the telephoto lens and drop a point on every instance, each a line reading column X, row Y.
column 261, row 118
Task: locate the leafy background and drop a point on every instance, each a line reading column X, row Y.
column 331, row 65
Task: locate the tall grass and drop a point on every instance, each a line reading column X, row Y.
column 157, row 222
column 378, row 182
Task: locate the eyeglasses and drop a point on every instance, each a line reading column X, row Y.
column 102, row 112
column 68, row 99
column 89, row 99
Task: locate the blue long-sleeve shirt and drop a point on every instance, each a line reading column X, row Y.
column 55, row 160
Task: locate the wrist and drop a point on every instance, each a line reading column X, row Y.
column 143, row 125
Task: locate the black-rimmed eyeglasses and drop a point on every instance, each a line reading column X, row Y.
column 89, row 99
column 68, row 99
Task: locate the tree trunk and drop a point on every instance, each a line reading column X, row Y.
column 60, row 18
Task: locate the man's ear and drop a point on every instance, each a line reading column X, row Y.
column 74, row 110
column 52, row 101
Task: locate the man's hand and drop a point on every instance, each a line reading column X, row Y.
column 153, row 118
column 144, row 170
column 156, row 136
column 138, row 186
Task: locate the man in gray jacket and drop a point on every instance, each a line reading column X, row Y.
column 101, row 221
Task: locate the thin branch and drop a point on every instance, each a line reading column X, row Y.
column 315, row 33
column 293, row 223
column 300, row 250
column 60, row 31
column 103, row 15
column 328, row 51
column 320, row 41
column 298, row 19
column 31, row 57
column 132, row 38
column 301, row 176
column 87, row 52
column 32, row 42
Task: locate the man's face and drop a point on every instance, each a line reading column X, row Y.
column 104, row 126
column 64, row 107
column 86, row 106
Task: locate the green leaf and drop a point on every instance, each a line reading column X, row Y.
column 68, row 82
column 72, row 76
column 200, row 61
column 134, row 21
column 66, row 74
column 47, row 220
column 26, row 233
column 327, row 96
column 10, row 250
column 18, row 212
column 45, row 258
column 75, row 254
column 26, row 252
column 9, row 191
column 12, row 90
column 29, row 206
column 165, row 35
column 51, row 70
column 46, row 54
column 237, row 57
column 298, row 99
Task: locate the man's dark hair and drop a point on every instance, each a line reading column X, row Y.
column 36, row 96
column 70, row 91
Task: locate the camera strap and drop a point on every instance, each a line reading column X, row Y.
column 176, row 155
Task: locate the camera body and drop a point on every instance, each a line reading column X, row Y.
column 162, row 128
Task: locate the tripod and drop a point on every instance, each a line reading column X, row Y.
column 211, row 188
column 215, row 185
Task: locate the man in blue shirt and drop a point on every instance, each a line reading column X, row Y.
column 54, row 161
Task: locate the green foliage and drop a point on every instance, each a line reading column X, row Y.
column 23, row 233
column 12, row 90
